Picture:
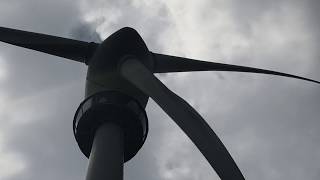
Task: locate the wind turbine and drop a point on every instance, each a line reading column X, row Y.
column 111, row 125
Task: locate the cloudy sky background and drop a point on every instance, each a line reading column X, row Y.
column 270, row 125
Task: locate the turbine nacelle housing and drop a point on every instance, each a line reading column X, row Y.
column 103, row 66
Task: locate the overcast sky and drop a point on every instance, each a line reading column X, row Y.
column 270, row 125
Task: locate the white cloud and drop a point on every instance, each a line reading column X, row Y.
column 10, row 163
column 3, row 73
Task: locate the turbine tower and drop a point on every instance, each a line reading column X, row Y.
column 111, row 125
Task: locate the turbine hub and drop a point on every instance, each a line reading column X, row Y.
column 103, row 66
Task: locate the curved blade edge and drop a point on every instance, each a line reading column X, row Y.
column 67, row 48
column 185, row 117
column 166, row 63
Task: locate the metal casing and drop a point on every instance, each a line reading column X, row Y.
column 116, row 107
column 103, row 66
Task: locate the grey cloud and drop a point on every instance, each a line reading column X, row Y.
column 86, row 32
column 273, row 122
column 46, row 143
column 50, row 17
column 145, row 18
column 30, row 71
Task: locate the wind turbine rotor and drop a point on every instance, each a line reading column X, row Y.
column 120, row 79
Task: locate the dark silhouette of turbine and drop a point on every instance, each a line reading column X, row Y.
column 119, row 82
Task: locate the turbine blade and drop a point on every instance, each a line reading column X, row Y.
column 166, row 63
column 67, row 48
column 185, row 117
